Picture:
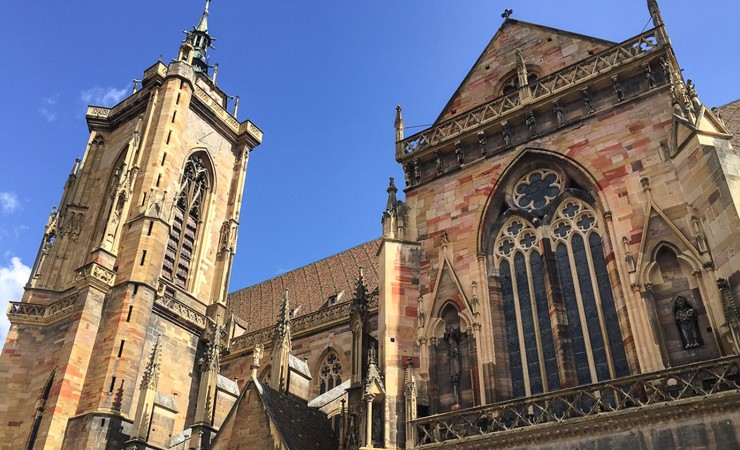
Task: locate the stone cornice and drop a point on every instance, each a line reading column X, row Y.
column 35, row 314
column 182, row 314
column 330, row 317
column 580, row 73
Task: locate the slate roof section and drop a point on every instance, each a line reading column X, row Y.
column 731, row 115
column 330, row 395
column 309, row 286
column 301, row 427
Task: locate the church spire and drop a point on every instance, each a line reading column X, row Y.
column 199, row 40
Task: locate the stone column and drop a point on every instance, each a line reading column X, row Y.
column 369, row 425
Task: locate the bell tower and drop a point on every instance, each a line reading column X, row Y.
column 132, row 272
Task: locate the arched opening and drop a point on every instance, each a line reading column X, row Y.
column 188, row 216
column 559, row 324
column 678, row 306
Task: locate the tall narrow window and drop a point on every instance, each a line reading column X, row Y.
column 544, row 215
column 187, row 214
column 330, row 373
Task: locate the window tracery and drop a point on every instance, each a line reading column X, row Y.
column 330, row 373
column 560, row 255
column 187, row 213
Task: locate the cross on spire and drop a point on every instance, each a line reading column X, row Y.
column 507, row 13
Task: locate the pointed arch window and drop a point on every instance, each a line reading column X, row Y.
column 550, row 243
column 187, row 213
column 330, row 372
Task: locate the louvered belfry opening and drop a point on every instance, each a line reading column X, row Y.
column 186, row 220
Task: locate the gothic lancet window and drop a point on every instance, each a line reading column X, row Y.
column 330, row 373
column 550, row 241
column 188, row 212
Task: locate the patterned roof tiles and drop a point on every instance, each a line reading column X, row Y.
column 310, row 286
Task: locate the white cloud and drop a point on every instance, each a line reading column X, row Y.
column 9, row 202
column 48, row 108
column 102, row 96
column 12, row 279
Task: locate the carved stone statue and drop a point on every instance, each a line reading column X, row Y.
column 649, row 75
column 688, row 323
column 531, row 123
column 438, row 162
column 559, row 113
column 618, row 88
column 459, row 153
column 417, row 170
column 482, row 143
column 588, row 101
column 452, row 336
column 506, row 132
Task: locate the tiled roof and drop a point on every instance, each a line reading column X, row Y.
column 330, row 395
column 731, row 116
column 310, row 286
column 301, row 427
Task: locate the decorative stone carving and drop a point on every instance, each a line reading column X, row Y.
column 667, row 69
column 228, row 236
column 693, row 97
column 459, row 155
column 588, row 101
column 531, row 123
column 482, row 143
column 688, row 323
column 506, row 133
column 559, row 113
column 628, row 258
column 438, row 163
column 417, row 170
column 453, row 336
column 649, row 75
column 407, row 174
column 420, row 319
column 618, row 89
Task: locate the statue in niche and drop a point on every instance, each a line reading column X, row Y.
column 649, row 75
column 452, row 336
column 588, row 101
column 688, row 323
column 438, row 162
column 506, row 133
column 482, row 143
column 559, row 113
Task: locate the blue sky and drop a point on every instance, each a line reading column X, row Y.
column 320, row 78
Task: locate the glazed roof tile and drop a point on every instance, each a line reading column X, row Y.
column 310, row 286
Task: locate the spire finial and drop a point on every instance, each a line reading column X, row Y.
column 398, row 125
column 655, row 12
column 151, row 373
column 199, row 40
column 507, row 14
column 203, row 24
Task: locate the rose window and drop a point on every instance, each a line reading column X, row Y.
column 537, row 189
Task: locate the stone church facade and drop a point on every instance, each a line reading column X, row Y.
column 563, row 272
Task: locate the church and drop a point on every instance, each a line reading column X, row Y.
column 563, row 272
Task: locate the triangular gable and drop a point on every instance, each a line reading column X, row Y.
column 448, row 288
column 659, row 228
column 545, row 49
column 265, row 418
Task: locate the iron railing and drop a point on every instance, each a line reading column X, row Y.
column 669, row 385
